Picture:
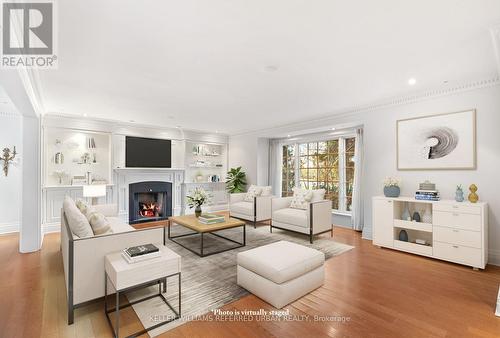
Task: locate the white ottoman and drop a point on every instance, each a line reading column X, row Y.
column 281, row 272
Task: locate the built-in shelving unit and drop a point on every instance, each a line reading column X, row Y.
column 457, row 233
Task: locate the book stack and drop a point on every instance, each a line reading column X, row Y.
column 427, row 195
column 140, row 253
column 211, row 218
column 427, row 192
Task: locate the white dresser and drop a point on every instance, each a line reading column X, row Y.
column 458, row 232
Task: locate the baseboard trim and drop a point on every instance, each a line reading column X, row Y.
column 48, row 228
column 8, row 228
column 494, row 257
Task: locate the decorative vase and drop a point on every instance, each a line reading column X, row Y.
column 403, row 236
column 197, row 211
column 427, row 216
column 459, row 195
column 416, row 216
column 405, row 216
column 391, row 191
column 473, row 197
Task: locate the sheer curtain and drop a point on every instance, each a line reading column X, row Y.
column 357, row 218
column 275, row 158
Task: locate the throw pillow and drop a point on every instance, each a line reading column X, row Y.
column 77, row 222
column 252, row 192
column 318, row 195
column 99, row 223
column 301, row 198
column 267, row 191
column 82, row 205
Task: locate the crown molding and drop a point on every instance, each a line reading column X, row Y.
column 391, row 102
column 9, row 114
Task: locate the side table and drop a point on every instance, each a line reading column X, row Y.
column 125, row 277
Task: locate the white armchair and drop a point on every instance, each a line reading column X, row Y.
column 258, row 210
column 314, row 220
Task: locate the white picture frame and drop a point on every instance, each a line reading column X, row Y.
column 437, row 142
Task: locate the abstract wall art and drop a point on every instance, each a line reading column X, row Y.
column 444, row 141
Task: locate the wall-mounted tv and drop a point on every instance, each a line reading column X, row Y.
column 143, row 152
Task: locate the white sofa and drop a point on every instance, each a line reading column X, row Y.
column 293, row 271
column 258, row 210
column 83, row 258
column 314, row 220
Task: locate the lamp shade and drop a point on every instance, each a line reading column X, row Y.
column 94, row 190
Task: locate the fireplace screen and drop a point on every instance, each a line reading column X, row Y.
column 149, row 201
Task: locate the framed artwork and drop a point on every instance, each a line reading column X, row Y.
column 444, row 141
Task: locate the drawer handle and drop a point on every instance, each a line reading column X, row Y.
column 455, row 246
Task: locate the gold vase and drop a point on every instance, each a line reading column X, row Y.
column 473, row 197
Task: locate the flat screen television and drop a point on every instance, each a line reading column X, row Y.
column 141, row 152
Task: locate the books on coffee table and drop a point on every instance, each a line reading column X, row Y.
column 211, row 218
column 140, row 253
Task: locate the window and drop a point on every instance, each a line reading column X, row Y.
column 325, row 165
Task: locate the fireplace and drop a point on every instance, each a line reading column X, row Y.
column 149, row 201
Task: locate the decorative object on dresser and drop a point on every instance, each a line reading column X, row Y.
column 392, row 187
column 125, row 278
column 60, row 174
column 236, row 180
column 473, row 197
column 458, row 232
column 197, row 199
column 427, row 215
column 427, row 191
column 403, row 235
column 459, row 194
column 416, row 217
column 406, row 213
column 7, row 158
column 444, row 141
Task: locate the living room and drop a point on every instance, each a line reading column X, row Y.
column 252, row 169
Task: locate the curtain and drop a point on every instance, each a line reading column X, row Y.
column 357, row 218
column 275, row 159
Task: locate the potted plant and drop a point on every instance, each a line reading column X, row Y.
column 392, row 187
column 236, row 180
column 197, row 198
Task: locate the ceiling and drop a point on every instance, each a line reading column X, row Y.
column 234, row 66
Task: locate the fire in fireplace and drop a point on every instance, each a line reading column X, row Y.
column 149, row 209
column 149, row 201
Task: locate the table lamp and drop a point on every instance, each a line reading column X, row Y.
column 94, row 191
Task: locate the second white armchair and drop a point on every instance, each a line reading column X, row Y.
column 313, row 219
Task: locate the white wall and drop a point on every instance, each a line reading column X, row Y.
column 10, row 186
column 380, row 151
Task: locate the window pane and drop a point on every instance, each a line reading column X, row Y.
column 303, row 149
column 333, row 146
column 322, row 148
column 288, row 171
column 313, row 148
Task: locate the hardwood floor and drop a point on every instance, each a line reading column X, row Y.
column 377, row 292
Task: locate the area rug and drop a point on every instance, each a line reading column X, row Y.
column 209, row 283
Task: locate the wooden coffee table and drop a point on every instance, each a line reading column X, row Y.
column 191, row 222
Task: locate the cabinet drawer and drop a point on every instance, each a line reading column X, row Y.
column 457, row 220
column 458, row 254
column 456, row 207
column 457, row 236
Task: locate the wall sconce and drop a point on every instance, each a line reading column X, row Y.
column 8, row 156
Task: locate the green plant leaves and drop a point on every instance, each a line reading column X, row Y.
column 236, row 180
